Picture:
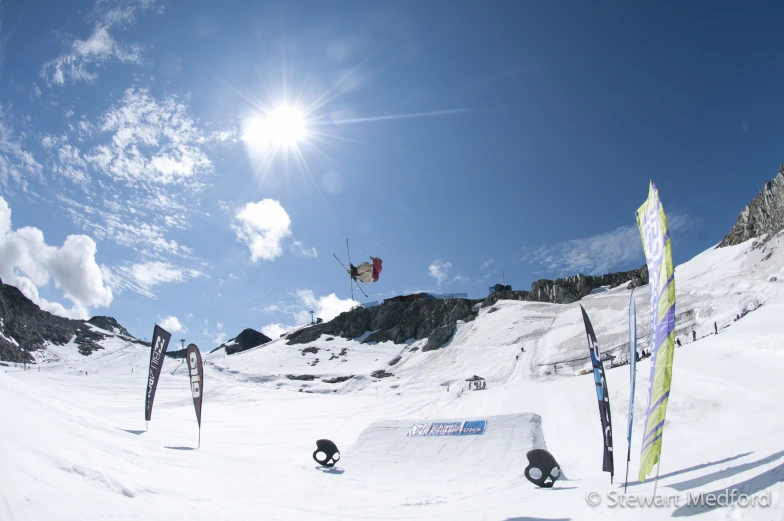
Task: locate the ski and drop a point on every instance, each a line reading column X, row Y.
column 349, row 273
column 349, row 276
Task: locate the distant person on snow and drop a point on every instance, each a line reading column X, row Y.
column 693, row 336
column 715, row 329
column 678, row 341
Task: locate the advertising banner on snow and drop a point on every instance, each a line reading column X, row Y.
column 656, row 241
column 160, row 341
column 602, row 395
column 465, row 428
column 196, row 373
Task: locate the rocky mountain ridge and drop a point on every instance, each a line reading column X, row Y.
column 762, row 216
column 25, row 328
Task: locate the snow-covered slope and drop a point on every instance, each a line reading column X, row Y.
column 73, row 446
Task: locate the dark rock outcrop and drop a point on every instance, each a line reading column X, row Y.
column 337, row 379
column 439, row 337
column 26, row 328
column 109, row 324
column 570, row 289
column 381, row 374
column 248, row 339
column 302, row 377
column 393, row 321
column 762, row 216
column 395, row 360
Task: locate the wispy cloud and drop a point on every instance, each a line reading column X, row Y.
column 5, row 34
column 599, row 254
column 82, row 58
column 146, row 166
column 216, row 337
column 140, row 122
column 144, row 277
column 16, row 163
column 298, row 248
column 439, row 271
column 486, row 264
column 28, row 262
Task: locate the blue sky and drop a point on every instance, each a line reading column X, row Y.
column 197, row 164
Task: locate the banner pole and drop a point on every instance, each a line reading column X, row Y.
column 656, row 481
column 199, row 438
column 146, row 426
column 626, row 482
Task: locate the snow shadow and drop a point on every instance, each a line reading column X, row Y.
column 748, row 488
column 538, row 519
column 689, row 469
column 179, row 448
column 724, row 473
column 333, row 470
column 131, row 431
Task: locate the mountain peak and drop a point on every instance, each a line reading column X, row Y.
column 762, row 216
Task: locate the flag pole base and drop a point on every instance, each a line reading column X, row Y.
column 656, row 481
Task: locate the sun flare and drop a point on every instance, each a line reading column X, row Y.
column 285, row 126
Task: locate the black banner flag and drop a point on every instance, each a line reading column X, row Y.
column 196, row 372
column 602, row 395
column 160, row 341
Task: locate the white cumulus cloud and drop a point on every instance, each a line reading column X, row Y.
column 263, row 226
column 28, row 262
column 172, row 324
column 325, row 307
column 273, row 331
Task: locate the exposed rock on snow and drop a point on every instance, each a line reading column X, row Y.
column 381, row 374
column 109, row 324
column 248, row 339
column 337, row 379
column 570, row 289
column 439, row 337
column 393, row 321
column 762, row 216
column 303, row 377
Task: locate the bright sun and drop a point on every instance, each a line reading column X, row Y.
column 284, row 126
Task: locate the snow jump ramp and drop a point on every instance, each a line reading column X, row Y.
column 476, row 447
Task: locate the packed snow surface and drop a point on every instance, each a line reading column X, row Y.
column 74, row 444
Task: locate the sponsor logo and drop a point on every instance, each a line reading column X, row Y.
column 193, row 365
column 467, row 428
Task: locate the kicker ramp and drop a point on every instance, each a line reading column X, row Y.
column 480, row 446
